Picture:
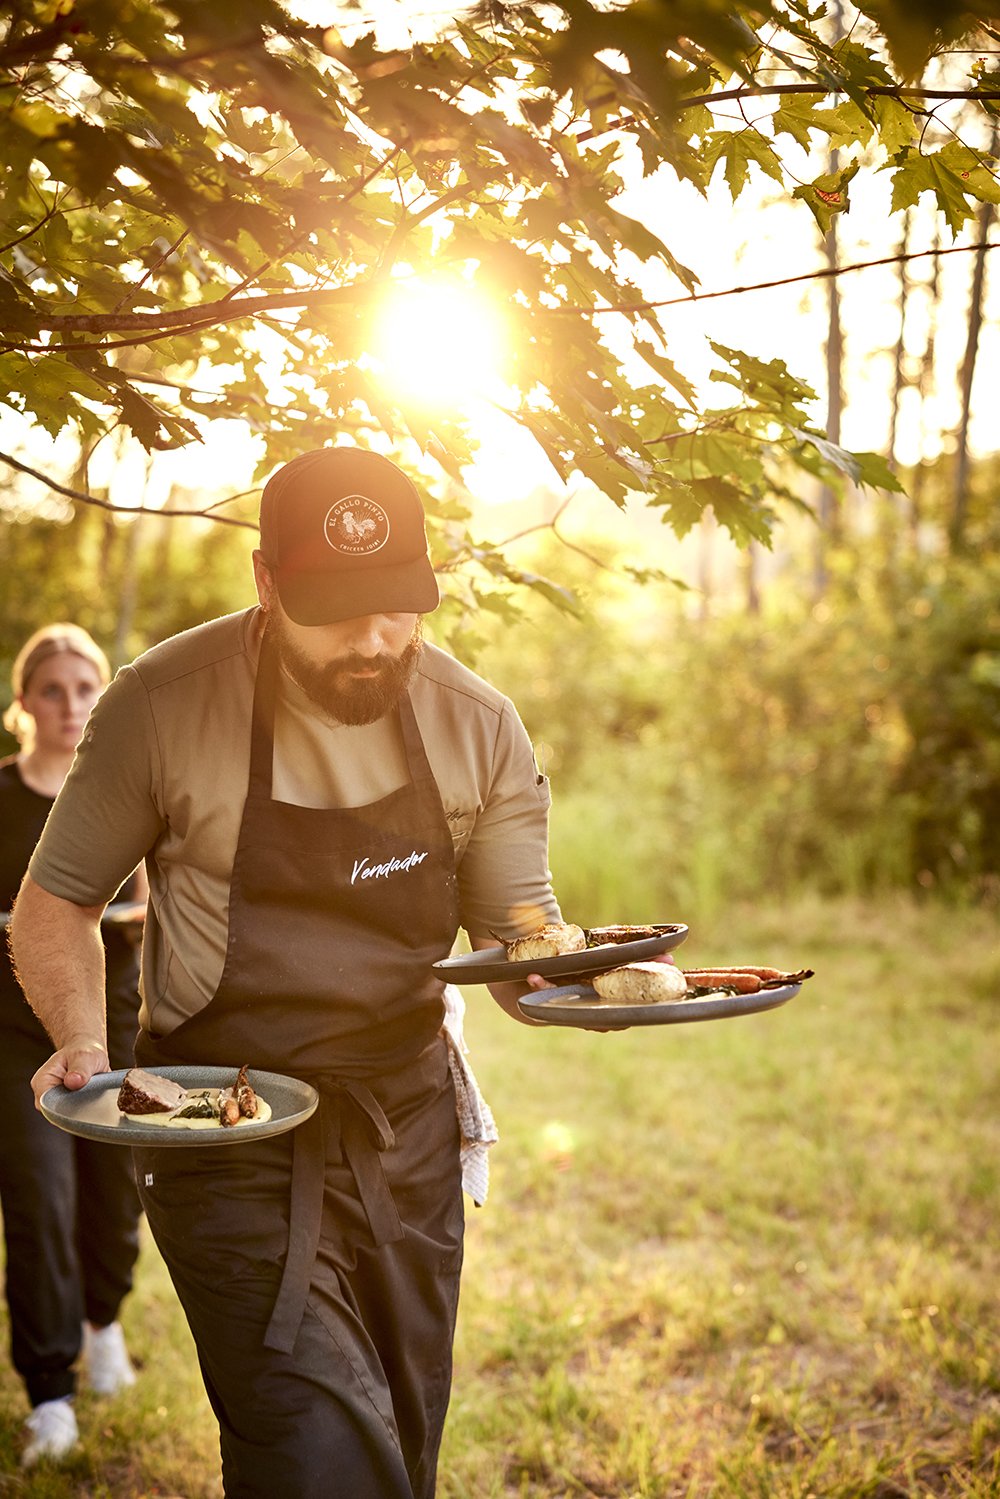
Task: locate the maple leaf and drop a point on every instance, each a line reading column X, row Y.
column 738, row 149
column 828, row 195
column 918, row 172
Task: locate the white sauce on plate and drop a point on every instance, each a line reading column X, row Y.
column 171, row 1121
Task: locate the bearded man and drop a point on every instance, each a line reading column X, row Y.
column 322, row 801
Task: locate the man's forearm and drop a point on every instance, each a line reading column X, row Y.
column 507, row 996
column 59, row 958
column 510, row 991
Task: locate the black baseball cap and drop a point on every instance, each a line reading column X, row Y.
column 342, row 531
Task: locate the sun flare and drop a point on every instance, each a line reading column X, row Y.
column 439, row 342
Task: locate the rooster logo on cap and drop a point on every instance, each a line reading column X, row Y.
column 356, row 529
column 356, row 525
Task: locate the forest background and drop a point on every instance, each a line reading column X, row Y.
column 703, row 601
column 720, row 517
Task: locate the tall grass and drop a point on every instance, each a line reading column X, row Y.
column 756, row 1257
column 753, row 1259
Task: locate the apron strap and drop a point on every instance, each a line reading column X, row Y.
column 365, row 1132
column 304, row 1219
column 265, row 695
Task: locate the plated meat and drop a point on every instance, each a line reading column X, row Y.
column 146, row 1093
column 601, row 936
column 157, row 1100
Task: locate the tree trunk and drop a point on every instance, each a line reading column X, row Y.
column 129, row 592
column 706, row 558
column 828, row 508
column 751, row 571
column 960, row 494
column 900, row 381
column 829, row 516
column 890, row 509
column 925, row 389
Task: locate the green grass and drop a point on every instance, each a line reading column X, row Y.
column 755, row 1259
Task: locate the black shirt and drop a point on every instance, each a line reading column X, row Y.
column 22, row 817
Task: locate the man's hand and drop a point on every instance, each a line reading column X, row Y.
column 72, row 1065
column 59, row 959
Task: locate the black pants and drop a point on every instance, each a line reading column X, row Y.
column 357, row 1409
column 70, row 1218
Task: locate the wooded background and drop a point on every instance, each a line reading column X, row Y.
column 707, row 599
column 724, row 527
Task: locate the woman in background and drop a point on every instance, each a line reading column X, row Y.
column 70, row 1207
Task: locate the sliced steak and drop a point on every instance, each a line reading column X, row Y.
column 145, row 1093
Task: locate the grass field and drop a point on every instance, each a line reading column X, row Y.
column 755, row 1258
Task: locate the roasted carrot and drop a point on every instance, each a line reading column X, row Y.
column 743, row 980
column 762, row 973
column 229, row 1112
column 245, row 1096
column 723, row 978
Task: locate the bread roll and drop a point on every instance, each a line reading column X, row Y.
column 547, row 942
column 641, row 984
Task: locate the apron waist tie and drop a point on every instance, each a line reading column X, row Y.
column 365, row 1133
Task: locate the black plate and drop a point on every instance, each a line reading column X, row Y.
column 490, row 965
column 92, row 1111
column 579, row 1005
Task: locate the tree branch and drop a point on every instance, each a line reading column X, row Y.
column 771, row 90
column 31, row 230
column 90, row 499
column 161, row 325
column 222, row 310
column 895, row 90
column 735, row 291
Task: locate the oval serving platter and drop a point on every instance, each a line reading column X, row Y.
column 578, row 1005
column 92, row 1111
column 490, row 965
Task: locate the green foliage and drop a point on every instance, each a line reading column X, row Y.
column 945, row 678
column 128, row 583
column 958, row 178
column 180, row 180
column 850, row 747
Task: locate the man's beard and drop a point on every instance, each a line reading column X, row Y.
column 341, row 697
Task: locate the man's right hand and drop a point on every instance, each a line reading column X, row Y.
column 71, row 1065
column 59, row 958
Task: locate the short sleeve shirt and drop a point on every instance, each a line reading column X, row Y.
column 162, row 773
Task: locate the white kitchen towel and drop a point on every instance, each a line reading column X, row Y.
column 475, row 1119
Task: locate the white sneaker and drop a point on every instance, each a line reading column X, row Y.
column 105, row 1357
column 53, row 1431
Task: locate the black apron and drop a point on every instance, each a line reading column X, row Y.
column 335, row 917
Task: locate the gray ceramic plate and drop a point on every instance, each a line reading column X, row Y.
column 92, row 1111
column 490, row 965
column 578, row 1005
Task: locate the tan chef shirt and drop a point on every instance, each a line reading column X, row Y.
column 162, row 773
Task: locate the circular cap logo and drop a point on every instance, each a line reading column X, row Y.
column 356, row 526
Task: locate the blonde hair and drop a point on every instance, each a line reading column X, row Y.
column 50, row 640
